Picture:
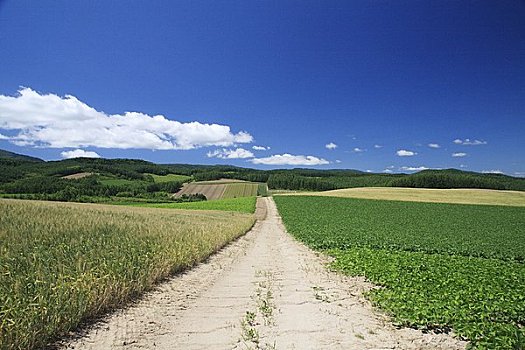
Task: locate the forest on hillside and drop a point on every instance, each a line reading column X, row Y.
column 131, row 178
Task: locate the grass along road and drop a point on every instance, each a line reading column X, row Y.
column 264, row 291
column 241, row 204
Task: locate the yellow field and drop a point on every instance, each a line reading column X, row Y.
column 460, row 196
column 61, row 263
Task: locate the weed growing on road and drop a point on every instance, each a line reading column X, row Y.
column 320, row 294
column 249, row 332
column 264, row 296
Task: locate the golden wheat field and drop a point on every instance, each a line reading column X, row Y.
column 460, row 196
column 61, row 263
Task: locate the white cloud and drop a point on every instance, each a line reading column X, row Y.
column 78, row 153
column 459, row 154
column 368, row 170
column 497, row 171
column 358, row 150
column 434, row 145
column 405, row 153
column 239, row 153
column 469, row 142
column 337, row 161
column 463, row 166
column 288, row 159
column 519, row 173
column 260, row 148
column 411, row 168
column 378, row 146
column 331, row 145
column 388, row 171
column 3, row 137
column 56, row 122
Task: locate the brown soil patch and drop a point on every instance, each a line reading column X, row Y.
column 77, row 176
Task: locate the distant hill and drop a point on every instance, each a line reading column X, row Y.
column 33, row 178
column 11, row 155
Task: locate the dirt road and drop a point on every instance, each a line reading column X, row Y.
column 264, row 291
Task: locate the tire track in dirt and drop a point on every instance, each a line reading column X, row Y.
column 263, row 291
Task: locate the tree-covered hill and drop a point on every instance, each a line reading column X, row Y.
column 11, row 155
column 100, row 179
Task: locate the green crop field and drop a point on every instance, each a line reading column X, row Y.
column 170, row 177
column 61, row 263
column 241, row 205
column 241, row 189
column 442, row 266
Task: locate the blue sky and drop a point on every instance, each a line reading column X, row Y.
column 380, row 80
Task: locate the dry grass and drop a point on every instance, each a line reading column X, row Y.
column 77, row 176
column 460, row 196
column 61, row 263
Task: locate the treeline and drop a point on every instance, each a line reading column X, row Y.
column 45, row 178
column 459, row 179
column 131, row 169
column 297, row 182
column 55, row 188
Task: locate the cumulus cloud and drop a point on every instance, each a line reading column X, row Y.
column 378, row 146
column 358, row 150
column 288, row 159
column 337, row 161
column 3, row 137
column 495, row 171
column 434, row 145
column 459, row 154
column 405, row 153
column 239, row 153
column 331, row 145
column 388, row 171
column 79, row 153
column 53, row 121
column 260, row 148
column 469, row 142
column 412, row 168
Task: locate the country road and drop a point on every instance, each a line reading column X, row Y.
column 263, row 291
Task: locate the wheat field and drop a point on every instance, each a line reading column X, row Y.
column 61, row 263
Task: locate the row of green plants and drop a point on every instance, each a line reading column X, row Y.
column 62, row 263
column 441, row 266
column 240, row 204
